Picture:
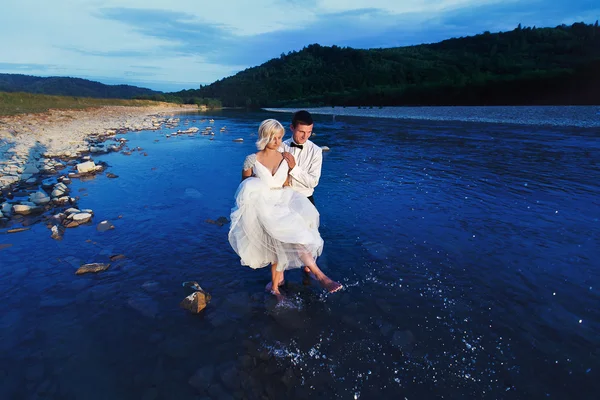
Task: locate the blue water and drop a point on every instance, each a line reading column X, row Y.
column 469, row 252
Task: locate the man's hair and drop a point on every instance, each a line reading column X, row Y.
column 267, row 129
column 302, row 117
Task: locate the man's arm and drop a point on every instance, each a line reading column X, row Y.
column 309, row 177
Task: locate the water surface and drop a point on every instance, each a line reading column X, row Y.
column 469, row 252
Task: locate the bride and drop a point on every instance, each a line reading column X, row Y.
column 271, row 223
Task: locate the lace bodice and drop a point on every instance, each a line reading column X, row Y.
column 264, row 174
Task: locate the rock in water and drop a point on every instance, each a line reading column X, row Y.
column 94, row 267
column 86, row 167
column 104, row 226
column 195, row 302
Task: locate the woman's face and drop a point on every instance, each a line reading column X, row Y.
column 275, row 141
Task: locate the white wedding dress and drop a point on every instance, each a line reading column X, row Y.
column 272, row 223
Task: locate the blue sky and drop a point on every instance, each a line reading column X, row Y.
column 180, row 44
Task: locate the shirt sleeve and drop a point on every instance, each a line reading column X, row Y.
column 310, row 177
column 249, row 162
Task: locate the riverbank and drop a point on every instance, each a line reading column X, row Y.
column 27, row 139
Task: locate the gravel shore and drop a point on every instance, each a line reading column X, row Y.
column 27, row 140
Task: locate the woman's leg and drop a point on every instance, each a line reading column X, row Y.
column 329, row 285
column 276, row 280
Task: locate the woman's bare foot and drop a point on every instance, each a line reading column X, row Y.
column 280, row 297
column 269, row 286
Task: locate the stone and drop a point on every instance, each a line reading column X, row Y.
column 117, row 257
column 6, row 208
column 219, row 222
column 31, row 169
column 82, row 218
column 22, row 209
column 92, row 268
column 57, row 232
column 39, row 198
column 111, row 175
column 86, row 167
column 70, row 224
column 195, row 302
column 104, row 226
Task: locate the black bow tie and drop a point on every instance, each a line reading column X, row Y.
column 300, row 146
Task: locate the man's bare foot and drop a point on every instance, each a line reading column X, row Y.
column 331, row 286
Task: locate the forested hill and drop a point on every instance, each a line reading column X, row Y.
column 524, row 66
column 69, row 87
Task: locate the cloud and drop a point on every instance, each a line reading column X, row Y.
column 27, row 67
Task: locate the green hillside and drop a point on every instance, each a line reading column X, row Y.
column 523, row 66
column 61, row 86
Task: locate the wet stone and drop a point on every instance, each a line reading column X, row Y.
column 92, row 268
column 104, row 226
column 117, row 257
column 195, row 302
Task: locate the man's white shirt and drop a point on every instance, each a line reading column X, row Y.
column 307, row 172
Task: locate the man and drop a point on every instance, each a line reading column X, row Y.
column 303, row 156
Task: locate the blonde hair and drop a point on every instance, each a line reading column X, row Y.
column 267, row 129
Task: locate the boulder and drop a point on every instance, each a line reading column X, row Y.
column 22, row 209
column 82, row 218
column 196, row 302
column 86, row 167
column 39, row 198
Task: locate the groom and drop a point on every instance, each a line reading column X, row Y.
column 303, row 156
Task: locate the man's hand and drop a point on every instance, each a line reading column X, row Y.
column 290, row 159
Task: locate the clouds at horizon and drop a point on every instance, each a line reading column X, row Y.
column 181, row 44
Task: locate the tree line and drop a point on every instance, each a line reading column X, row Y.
column 527, row 65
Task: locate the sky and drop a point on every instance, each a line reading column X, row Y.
column 170, row 45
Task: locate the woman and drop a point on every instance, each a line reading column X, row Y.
column 271, row 223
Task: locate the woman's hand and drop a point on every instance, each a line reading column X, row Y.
column 290, row 159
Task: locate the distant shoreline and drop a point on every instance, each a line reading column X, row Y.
column 559, row 116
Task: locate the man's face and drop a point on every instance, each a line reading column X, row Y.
column 301, row 133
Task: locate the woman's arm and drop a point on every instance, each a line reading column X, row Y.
column 246, row 173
